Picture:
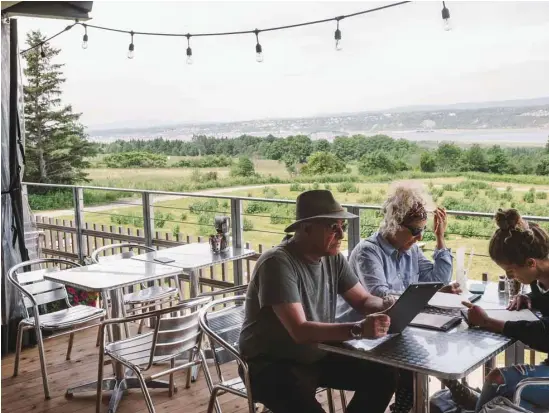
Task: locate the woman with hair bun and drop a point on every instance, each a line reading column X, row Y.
column 522, row 250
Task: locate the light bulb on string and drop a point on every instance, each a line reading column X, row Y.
column 42, row 53
column 85, row 38
column 131, row 48
column 189, row 50
column 258, row 48
column 446, row 17
column 337, row 36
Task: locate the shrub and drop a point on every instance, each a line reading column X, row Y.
column 175, row 231
column 316, row 185
column 210, row 176
column 208, row 206
column 437, row 192
column 136, row 160
column 327, row 187
column 541, row 195
column 448, row 187
column 207, row 161
column 323, row 163
column 427, row 162
column 282, row 214
column 257, row 207
column 247, row 224
column 183, row 216
column 529, row 197
column 506, row 196
column 296, row 187
column 244, row 167
column 270, row 192
column 347, row 187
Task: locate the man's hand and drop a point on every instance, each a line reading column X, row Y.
column 388, row 302
column 440, row 223
column 476, row 315
column 376, row 326
column 452, row 288
column 519, row 302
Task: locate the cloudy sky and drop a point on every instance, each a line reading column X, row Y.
column 397, row 57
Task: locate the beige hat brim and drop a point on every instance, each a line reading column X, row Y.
column 332, row 215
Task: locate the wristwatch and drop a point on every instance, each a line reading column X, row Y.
column 356, row 331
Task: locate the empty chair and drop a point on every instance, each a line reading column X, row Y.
column 176, row 334
column 144, row 298
column 221, row 321
column 35, row 292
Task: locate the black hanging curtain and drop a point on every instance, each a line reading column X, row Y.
column 14, row 206
column 13, row 221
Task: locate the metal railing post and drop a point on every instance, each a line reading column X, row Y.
column 237, row 241
column 148, row 218
column 78, row 201
column 354, row 229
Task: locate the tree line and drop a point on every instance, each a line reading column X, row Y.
column 374, row 154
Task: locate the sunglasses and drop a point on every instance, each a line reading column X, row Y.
column 335, row 227
column 414, row 230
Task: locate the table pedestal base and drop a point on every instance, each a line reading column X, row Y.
column 118, row 388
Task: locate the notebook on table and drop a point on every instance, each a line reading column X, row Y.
column 439, row 322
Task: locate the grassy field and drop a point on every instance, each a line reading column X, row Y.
column 264, row 223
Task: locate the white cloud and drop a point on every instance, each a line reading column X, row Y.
column 399, row 56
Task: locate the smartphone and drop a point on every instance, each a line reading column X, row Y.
column 477, row 288
column 164, row 260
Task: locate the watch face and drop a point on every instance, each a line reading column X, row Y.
column 356, row 331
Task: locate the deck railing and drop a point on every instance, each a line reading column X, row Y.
column 75, row 239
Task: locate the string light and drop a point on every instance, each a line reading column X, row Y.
column 337, row 36
column 85, row 38
column 446, row 17
column 131, row 48
column 189, row 50
column 258, row 48
column 42, row 53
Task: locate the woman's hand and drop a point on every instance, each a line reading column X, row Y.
column 452, row 288
column 519, row 302
column 440, row 223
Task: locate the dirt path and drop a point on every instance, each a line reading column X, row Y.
column 131, row 202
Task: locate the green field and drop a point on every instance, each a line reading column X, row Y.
column 264, row 222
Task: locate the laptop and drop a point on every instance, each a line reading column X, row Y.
column 412, row 301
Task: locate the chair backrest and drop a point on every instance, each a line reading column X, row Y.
column 177, row 331
column 221, row 320
column 126, row 250
column 32, row 286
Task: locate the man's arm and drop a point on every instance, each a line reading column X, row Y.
column 302, row 331
column 364, row 302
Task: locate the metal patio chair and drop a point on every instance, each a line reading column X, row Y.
column 146, row 298
column 35, row 294
column 538, row 381
column 221, row 321
column 176, row 334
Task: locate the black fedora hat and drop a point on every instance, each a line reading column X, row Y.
column 317, row 204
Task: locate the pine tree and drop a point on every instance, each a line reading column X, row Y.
column 56, row 146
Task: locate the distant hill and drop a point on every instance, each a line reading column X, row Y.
column 512, row 114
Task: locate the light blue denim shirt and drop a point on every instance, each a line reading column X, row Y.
column 383, row 270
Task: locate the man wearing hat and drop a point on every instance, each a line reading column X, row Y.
column 290, row 307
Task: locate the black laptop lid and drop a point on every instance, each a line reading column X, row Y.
column 409, row 305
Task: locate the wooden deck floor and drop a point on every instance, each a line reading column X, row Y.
column 24, row 393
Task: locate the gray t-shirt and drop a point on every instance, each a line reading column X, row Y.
column 281, row 277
